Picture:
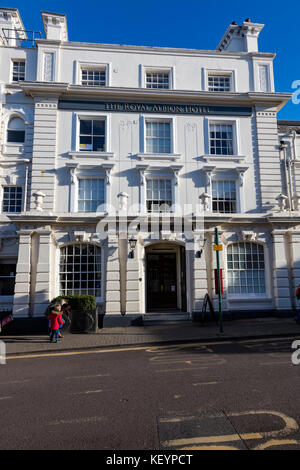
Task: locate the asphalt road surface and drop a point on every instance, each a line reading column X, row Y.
column 221, row 395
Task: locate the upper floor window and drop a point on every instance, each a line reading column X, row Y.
column 92, row 135
column 158, row 136
column 159, row 195
column 218, row 82
column 12, row 199
column 221, row 139
column 224, row 198
column 90, row 194
column 157, row 79
column 246, row 268
column 16, row 130
column 18, row 72
column 93, row 77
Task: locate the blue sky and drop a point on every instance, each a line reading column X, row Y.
column 195, row 24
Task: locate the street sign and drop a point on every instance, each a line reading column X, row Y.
column 218, row 247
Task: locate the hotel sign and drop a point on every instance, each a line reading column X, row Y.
column 155, row 108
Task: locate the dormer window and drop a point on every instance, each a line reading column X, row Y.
column 16, row 131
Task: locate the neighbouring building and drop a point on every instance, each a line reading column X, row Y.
column 118, row 162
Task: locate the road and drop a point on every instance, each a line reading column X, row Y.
column 219, row 395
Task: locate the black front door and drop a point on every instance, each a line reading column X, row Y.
column 161, row 281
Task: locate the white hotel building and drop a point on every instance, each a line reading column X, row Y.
column 114, row 136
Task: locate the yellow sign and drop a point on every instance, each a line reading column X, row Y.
column 218, row 247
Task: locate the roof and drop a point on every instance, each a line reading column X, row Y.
column 287, row 126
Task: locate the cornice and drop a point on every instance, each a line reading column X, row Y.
column 66, row 90
column 154, row 49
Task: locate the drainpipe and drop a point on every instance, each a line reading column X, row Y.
column 287, row 172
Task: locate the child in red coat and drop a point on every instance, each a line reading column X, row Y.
column 56, row 321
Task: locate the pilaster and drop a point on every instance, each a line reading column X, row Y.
column 280, row 271
column 22, row 282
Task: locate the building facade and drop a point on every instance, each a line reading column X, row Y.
column 118, row 162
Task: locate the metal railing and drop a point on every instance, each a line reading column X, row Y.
column 29, row 36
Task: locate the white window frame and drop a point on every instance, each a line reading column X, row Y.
column 2, row 197
column 152, row 177
column 224, row 177
column 235, row 136
column 92, row 117
column 251, row 296
column 217, row 72
column 85, row 176
column 93, row 65
column 98, row 299
column 157, row 69
column 12, row 69
column 14, row 116
column 158, row 118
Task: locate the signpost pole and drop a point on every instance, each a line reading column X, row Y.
column 219, row 281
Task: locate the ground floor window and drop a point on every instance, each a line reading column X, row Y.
column 7, row 277
column 246, row 268
column 80, row 270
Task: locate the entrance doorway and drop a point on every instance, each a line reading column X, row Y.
column 165, row 278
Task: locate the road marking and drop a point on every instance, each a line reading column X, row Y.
column 15, row 382
column 201, row 442
column 205, row 383
column 290, row 424
column 5, row 398
column 176, row 420
column 93, row 419
column 87, row 392
column 212, row 447
column 183, row 369
column 211, row 439
column 87, row 376
column 274, row 442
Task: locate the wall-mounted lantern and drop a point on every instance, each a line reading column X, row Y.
column 132, row 245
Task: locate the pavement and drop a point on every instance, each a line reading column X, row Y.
column 152, row 334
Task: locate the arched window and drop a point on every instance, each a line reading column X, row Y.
column 80, row 269
column 16, row 130
column 246, row 268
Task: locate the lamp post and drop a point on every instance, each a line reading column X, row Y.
column 218, row 248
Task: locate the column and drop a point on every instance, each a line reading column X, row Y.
column 280, row 272
column 22, row 284
column 113, row 297
column 199, row 272
column 133, row 283
column 43, row 272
